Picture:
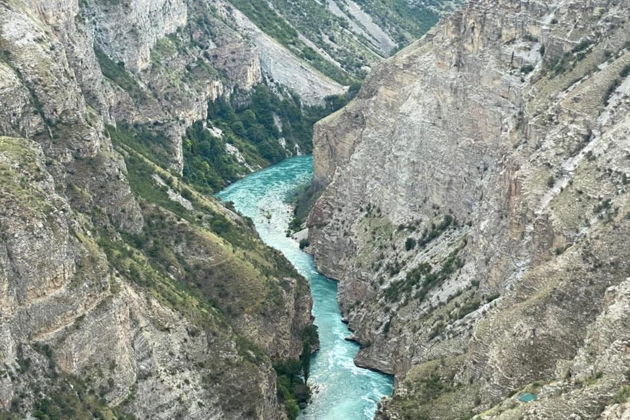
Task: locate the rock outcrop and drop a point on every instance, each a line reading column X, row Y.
column 115, row 298
column 83, row 312
column 474, row 207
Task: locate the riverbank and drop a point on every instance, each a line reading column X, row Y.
column 340, row 388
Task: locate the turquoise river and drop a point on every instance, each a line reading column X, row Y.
column 341, row 390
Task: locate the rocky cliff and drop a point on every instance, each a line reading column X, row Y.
column 125, row 292
column 94, row 326
column 474, row 207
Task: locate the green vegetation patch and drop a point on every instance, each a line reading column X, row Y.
column 622, row 396
column 424, row 277
column 254, row 126
column 139, row 269
column 117, row 73
column 407, row 21
column 152, row 144
column 292, row 375
column 19, row 175
column 275, row 26
column 76, row 401
column 207, row 163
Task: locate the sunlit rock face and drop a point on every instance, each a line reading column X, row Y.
column 474, row 206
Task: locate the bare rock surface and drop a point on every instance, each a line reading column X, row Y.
column 474, row 207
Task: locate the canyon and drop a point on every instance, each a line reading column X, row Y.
column 470, row 196
column 126, row 289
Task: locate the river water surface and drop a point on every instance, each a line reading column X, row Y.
column 341, row 390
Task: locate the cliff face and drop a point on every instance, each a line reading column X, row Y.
column 123, row 291
column 474, row 207
column 89, row 322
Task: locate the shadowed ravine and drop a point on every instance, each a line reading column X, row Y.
column 341, row 390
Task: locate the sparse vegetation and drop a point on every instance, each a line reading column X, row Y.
column 423, row 278
column 622, row 396
column 120, row 76
column 269, row 21
column 436, row 230
column 313, row 20
column 70, row 398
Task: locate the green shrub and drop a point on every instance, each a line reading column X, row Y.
column 622, row 396
column 119, row 75
column 207, row 164
column 526, row 69
column 290, row 385
column 436, row 231
column 583, row 45
column 468, row 307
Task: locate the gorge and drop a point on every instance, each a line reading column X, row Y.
column 473, row 203
column 126, row 289
column 340, row 389
column 468, row 215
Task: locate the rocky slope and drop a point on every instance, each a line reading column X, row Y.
column 125, row 292
column 92, row 322
column 474, row 206
column 344, row 38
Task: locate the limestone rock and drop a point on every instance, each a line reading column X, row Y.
column 474, row 208
column 90, row 316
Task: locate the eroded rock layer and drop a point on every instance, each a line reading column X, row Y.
column 123, row 291
column 475, row 208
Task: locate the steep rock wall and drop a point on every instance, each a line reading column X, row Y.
column 107, row 292
column 475, row 184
